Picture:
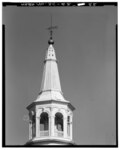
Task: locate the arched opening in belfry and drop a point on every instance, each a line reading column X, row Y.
column 44, row 123
column 58, row 122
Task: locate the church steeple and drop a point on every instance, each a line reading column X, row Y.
column 51, row 86
column 50, row 115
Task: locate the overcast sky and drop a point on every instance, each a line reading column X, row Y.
column 85, row 50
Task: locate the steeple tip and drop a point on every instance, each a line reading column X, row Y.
column 51, row 28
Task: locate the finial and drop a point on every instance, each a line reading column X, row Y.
column 51, row 28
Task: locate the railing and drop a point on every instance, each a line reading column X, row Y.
column 44, row 133
column 59, row 133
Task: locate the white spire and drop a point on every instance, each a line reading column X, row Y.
column 51, row 80
column 50, row 115
column 50, row 87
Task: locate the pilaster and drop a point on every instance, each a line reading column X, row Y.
column 71, row 127
column 52, row 125
column 65, row 127
column 30, row 130
column 37, row 126
column 49, row 126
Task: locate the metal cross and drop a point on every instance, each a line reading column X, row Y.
column 51, row 28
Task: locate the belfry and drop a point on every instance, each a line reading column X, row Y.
column 50, row 115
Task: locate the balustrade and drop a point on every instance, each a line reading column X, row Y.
column 44, row 133
column 59, row 133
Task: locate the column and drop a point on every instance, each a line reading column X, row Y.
column 65, row 127
column 49, row 128
column 52, row 125
column 37, row 126
column 71, row 127
column 30, row 130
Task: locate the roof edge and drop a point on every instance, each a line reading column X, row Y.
column 49, row 140
column 49, row 102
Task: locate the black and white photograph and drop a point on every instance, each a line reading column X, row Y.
column 59, row 74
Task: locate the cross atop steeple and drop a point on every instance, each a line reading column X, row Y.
column 51, row 28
